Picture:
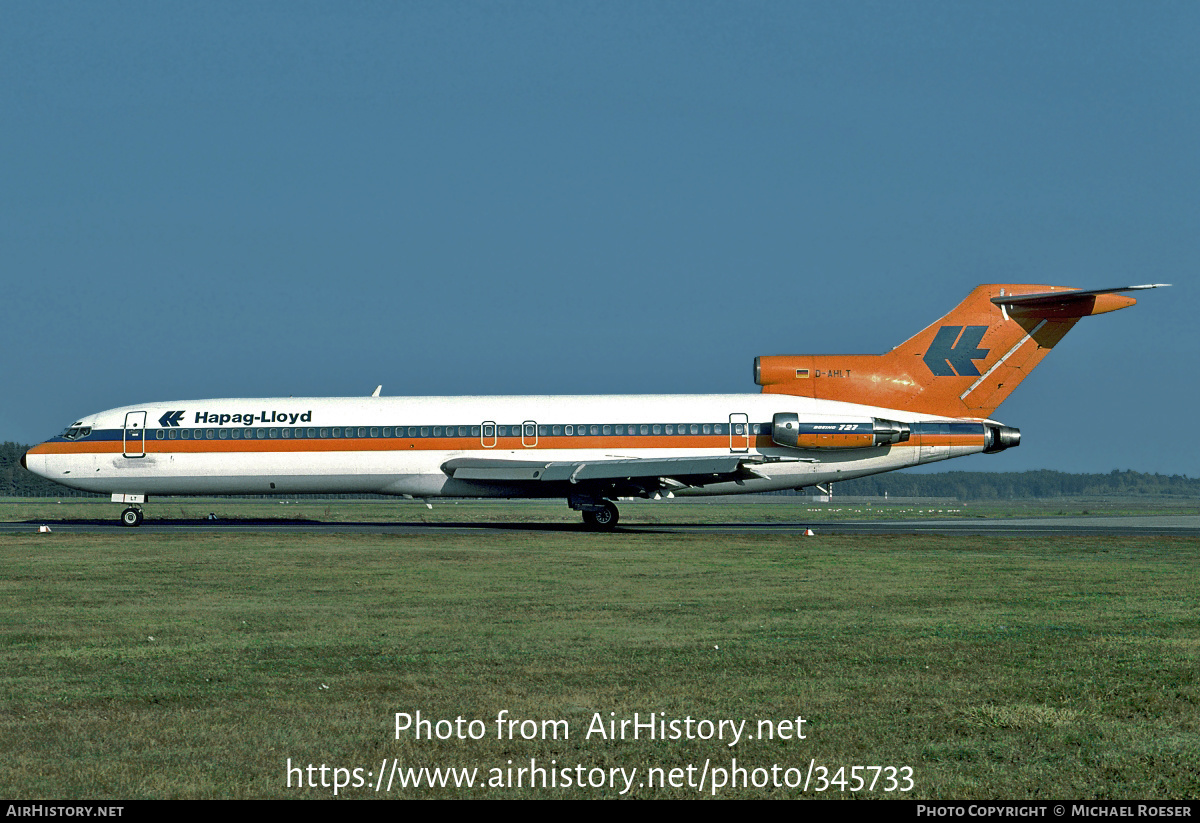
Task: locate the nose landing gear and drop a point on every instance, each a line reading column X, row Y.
column 132, row 517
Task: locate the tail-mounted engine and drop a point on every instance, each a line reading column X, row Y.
column 787, row 430
column 999, row 438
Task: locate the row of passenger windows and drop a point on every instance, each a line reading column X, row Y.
column 489, row 431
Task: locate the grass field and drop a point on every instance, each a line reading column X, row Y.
column 144, row 666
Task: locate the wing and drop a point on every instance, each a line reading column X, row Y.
column 625, row 477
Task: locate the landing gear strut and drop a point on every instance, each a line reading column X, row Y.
column 603, row 518
column 131, row 517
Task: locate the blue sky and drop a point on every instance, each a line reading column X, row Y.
column 231, row 199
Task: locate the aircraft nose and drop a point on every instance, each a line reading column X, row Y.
column 23, row 462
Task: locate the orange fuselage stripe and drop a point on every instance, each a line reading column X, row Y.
column 153, row 446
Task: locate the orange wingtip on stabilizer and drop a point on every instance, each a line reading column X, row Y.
column 964, row 365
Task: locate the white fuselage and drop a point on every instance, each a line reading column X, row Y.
column 400, row 445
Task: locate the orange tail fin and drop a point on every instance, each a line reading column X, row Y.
column 964, row 365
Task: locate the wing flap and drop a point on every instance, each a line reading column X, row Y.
column 689, row 471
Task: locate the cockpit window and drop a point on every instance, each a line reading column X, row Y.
column 76, row 431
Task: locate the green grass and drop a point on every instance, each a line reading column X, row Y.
column 139, row 665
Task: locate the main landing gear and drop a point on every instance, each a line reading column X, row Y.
column 598, row 515
column 132, row 517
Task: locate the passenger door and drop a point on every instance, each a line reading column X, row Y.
column 135, row 434
column 529, row 434
column 739, row 432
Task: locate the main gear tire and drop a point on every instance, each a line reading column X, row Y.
column 603, row 520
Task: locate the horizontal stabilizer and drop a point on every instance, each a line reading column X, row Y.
column 1071, row 302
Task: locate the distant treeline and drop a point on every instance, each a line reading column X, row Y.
column 1031, row 484
column 18, row 482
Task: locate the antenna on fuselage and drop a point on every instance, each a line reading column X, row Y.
column 378, row 389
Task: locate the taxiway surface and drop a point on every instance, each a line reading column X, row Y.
column 1151, row 525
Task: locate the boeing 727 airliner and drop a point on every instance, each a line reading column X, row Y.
column 818, row 419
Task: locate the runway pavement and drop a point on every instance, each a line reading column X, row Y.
column 1177, row 525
